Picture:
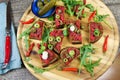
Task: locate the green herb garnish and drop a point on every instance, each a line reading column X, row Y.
column 27, row 59
column 41, row 49
column 51, row 18
column 90, row 66
column 90, row 6
column 85, row 59
column 101, row 18
column 26, row 32
column 45, row 36
column 70, row 4
column 36, row 69
column 26, row 41
column 80, row 11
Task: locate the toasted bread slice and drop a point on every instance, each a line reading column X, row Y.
column 95, row 31
column 69, row 54
column 56, row 39
column 52, row 57
column 37, row 30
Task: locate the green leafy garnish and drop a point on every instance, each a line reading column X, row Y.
column 41, row 49
column 90, row 6
column 101, row 18
column 90, row 66
column 80, row 11
column 26, row 32
column 65, row 31
column 26, row 41
column 27, row 59
column 51, row 18
column 36, row 69
column 70, row 4
column 45, row 36
column 85, row 59
column 40, row 70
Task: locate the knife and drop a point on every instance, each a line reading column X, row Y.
column 7, row 40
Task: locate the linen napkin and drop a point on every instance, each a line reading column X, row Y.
column 15, row 61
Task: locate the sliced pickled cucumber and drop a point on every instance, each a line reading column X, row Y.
column 40, row 4
column 47, row 7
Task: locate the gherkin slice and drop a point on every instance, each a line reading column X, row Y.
column 47, row 7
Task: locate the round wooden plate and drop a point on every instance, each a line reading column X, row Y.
column 107, row 59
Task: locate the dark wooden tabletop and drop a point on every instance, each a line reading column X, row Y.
column 18, row 8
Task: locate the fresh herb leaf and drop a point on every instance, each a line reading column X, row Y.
column 27, row 59
column 69, row 10
column 45, row 35
column 36, row 69
column 84, row 50
column 51, row 18
column 84, row 15
column 26, row 32
column 65, row 32
column 90, row 66
column 40, row 70
column 26, row 41
column 41, row 49
column 85, row 59
column 90, row 6
column 80, row 11
column 70, row 4
column 100, row 18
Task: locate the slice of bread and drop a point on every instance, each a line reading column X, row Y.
column 66, row 57
column 36, row 33
column 95, row 31
column 52, row 57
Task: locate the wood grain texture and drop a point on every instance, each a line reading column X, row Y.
column 106, row 60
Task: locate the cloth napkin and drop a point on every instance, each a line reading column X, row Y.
column 15, row 61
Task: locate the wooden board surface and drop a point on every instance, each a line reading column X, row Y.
column 106, row 60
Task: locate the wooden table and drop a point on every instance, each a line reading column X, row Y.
column 18, row 8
